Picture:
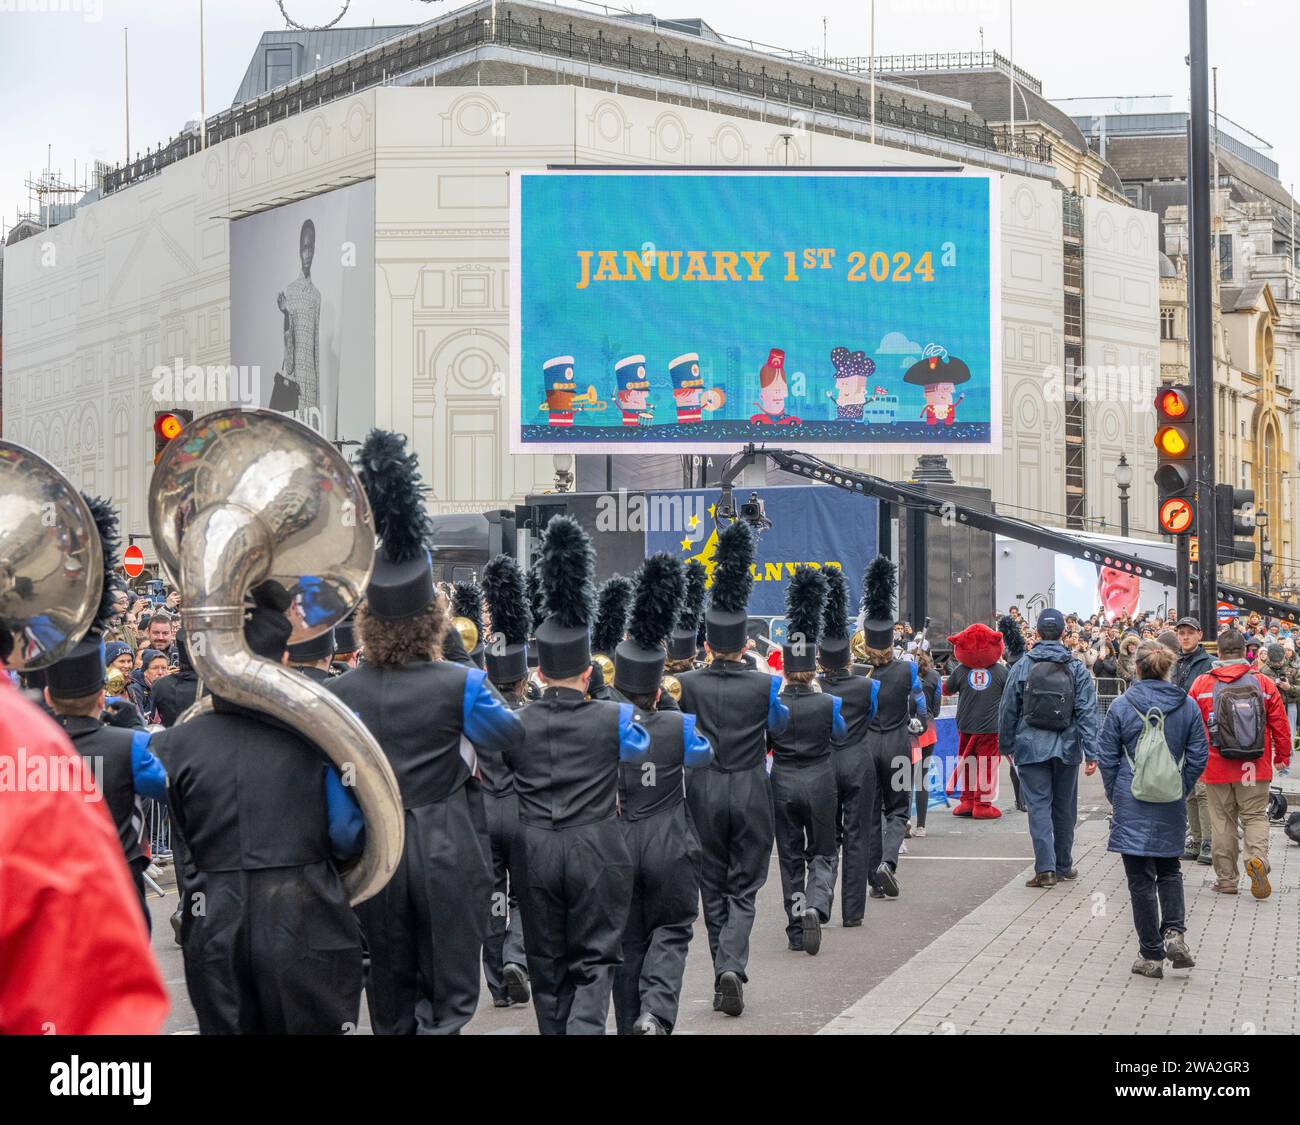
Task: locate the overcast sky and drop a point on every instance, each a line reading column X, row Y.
column 61, row 63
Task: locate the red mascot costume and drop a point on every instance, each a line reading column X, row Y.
column 977, row 679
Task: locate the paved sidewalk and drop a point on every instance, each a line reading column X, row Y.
column 1058, row 961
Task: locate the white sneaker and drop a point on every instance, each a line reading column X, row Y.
column 902, row 849
column 919, row 831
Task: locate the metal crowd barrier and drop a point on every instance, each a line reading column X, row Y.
column 1109, row 689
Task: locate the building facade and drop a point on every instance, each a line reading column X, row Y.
column 142, row 277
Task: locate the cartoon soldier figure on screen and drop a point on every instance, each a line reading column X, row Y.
column 633, row 391
column 689, row 395
column 557, row 374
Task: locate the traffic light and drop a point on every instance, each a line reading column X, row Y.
column 1234, row 517
column 1175, row 443
column 167, row 425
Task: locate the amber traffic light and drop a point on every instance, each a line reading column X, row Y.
column 1175, row 476
column 167, row 426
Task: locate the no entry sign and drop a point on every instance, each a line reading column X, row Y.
column 133, row 562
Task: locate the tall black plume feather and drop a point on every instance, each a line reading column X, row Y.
column 467, row 602
column 660, row 586
column 878, row 585
column 391, row 478
column 1013, row 640
column 804, row 598
column 835, row 615
column 568, row 563
column 693, row 602
column 536, row 599
column 612, row 604
column 507, row 599
column 732, row 578
column 105, row 517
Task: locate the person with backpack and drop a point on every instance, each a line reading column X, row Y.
column 1152, row 751
column 1245, row 720
column 1047, row 724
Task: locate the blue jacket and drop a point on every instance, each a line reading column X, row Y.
column 1140, row 827
column 1030, row 746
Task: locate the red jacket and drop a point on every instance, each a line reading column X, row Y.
column 1277, row 738
column 74, row 953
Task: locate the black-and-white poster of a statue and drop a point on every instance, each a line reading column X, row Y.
column 302, row 309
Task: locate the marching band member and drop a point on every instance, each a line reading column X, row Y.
column 505, row 965
column 425, row 929
column 572, row 863
column 803, row 776
column 735, row 708
column 857, row 696
column 652, row 810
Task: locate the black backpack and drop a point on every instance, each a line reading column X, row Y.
column 1049, row 696
column 1238, row 719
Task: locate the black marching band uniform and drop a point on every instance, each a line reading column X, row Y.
column 857, row 696
column 425, row 929
column 803, row 775
column 900, row 699
column 174, row 695
column 506, row 656
column 125, row 766
column 652, row 810
column 570, row 859
column 308, row 656
column 735, row 708
column 270, row 942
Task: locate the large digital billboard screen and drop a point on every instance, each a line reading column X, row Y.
column 695, row 311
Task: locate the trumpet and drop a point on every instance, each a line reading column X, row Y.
column 585, row 401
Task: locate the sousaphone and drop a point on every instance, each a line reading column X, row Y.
column 51, row 560
column 246, row 497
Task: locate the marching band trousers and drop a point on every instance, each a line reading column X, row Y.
column 575, row 886
column 273, row 951
column 851, row 815
column 665, row 903
column 888, row 795
column 504, row 944
column 425, row 929
column 732, row 814
column 803, row 800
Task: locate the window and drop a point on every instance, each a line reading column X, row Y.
column 1167, row 324
column 279, row 66
column 1225, row 257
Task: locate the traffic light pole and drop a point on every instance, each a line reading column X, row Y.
column 1200, row 308
column 1183, row 584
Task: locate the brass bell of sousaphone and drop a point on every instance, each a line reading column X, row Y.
column 245, row 497
column 51, row 560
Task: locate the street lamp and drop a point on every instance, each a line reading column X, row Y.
column 1265, row 554
column 1123, row 478
column 563, row 463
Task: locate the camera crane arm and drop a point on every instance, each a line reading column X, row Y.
column 865, row 484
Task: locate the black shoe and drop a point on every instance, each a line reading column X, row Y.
column 176, row 921
column 851, row 924
column 1042, row 879
column 794, row 943
column 812, row 932
column 717, row 1000
column 888, row 880
column 1068, row 876
column 1205, row 858
column 501, row 1001
column 516, row 978
column 648, row 1025
column 732, row 992
column 876, row 892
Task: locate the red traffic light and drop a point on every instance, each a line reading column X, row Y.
column 1173, row 404
column 168, row 426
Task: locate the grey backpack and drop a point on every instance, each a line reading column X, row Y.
column 1157, row 777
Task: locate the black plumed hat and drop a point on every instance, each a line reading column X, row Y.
column 402, row 582
column 1013, row 640
column 727, row 615
column 567, row 565
column 804, row 599
column 345, row 635
column 612, row 604
column 639, row 660
column 878, row 586
column 506, row 656
column 683, row 641
column 536, row 599
column 81, row 671
column 833, row 648
column 267, row 628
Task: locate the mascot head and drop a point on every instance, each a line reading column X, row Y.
column 977, row 646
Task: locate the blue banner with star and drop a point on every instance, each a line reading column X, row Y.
column 812, row 524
